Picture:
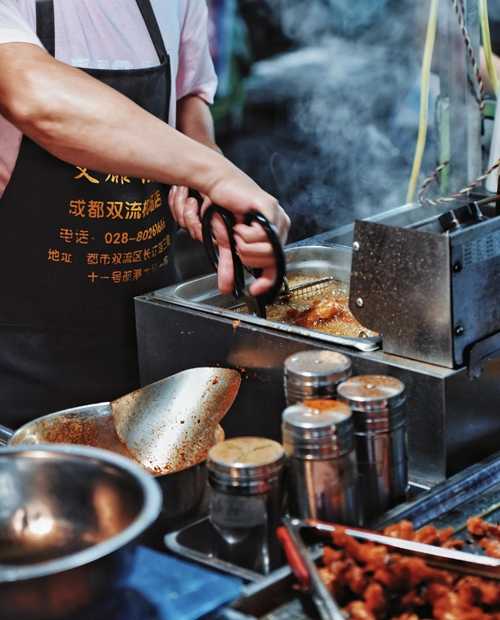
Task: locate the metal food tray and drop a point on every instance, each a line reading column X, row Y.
column 270, row 596
column 473, row 492
column 315, row 261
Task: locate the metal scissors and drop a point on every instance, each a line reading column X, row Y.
column 257, row 305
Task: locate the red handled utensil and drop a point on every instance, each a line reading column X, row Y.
column 293, row 557
column 305, row 570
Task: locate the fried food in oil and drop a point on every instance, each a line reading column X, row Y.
column 326, row 310
column 373, row 583
column 321, row 311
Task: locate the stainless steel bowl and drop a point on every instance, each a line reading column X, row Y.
column 69, row 520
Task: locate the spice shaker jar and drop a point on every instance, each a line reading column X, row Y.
column 245, row 477
column 377, row 404
column 321, row 462
column 314, row 374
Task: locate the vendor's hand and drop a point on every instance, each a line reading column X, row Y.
column 187, row 211
column 239, row 194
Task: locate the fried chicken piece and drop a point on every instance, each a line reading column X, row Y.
column 418, row 571
column 489, row 534
column 430, row 535
column 476, row 591
column 491, row 546
column 453, row 543
column 427, row 534
column 406, row 616
column 331, row 555
column 413, row 599
column 390, row 579
column 478, row 527
column 403, row 529
column 375, row 598
column 404, row 573
column 356, row 579
column 358, row 610
column 336, row 580
column 447, row 605
column 445, row 535
column 322, row 310
column 327, row 577
column 373, row 556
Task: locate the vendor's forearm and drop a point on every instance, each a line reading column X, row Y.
column 82, row 121
column 195, row 120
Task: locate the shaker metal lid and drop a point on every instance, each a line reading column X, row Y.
column 368, row 392
column 246, row 456
column 317, row 414
column 323, row 430
column 317, row 367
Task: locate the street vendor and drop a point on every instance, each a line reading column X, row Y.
column 90, row 162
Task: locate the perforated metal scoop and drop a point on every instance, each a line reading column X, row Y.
column 170, row 425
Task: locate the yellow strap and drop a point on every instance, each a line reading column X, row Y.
column 424, row 100
column 488, row 52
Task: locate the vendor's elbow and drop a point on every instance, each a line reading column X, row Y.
column 30, row 109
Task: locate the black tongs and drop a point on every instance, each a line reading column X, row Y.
column 257, row 305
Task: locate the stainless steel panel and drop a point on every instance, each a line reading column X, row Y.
column 473, row 491
column 475, row 271
column 400, row 287
column 172, row 338
column 202, row 294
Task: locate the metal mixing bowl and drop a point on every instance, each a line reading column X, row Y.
column 69, row 520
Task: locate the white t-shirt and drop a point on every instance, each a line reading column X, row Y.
column 111, row 34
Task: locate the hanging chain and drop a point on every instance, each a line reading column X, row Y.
column 458, row 5
column 451, row 197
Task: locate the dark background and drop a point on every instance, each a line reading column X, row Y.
column 323, row 100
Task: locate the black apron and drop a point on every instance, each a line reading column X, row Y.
column 76, row 247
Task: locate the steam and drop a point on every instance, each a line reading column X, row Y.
column 346, row 102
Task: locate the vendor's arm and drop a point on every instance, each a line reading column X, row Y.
column 196, row 84
column 84, row 122
column 194, row 120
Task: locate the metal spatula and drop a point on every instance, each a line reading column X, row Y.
column 169, row 425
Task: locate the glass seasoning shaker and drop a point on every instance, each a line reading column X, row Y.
column 321, row 462
column 245, row 476
column 314, row 374
column 377, row 404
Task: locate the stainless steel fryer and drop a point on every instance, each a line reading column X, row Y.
column 432, row 288
column 314, row 261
